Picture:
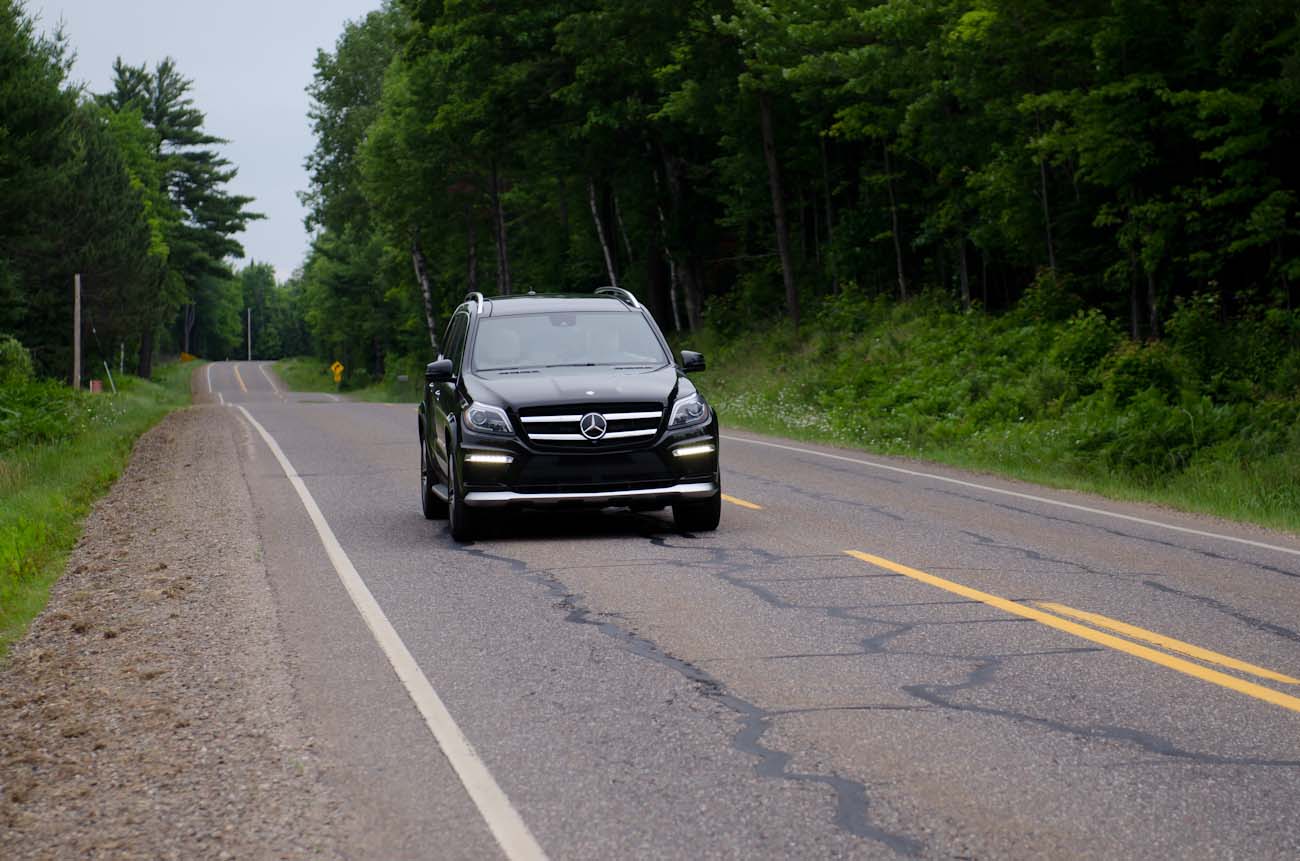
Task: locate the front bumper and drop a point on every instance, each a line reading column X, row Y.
column 666, row 495
column 635, row 476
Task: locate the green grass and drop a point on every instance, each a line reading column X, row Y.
column 49, row 487
column 1060, row 400
column 307, row 374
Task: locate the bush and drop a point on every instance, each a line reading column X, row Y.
column 1135, row 368
column 1196, row 332
column 1082, row 343
column 1047, row 299
column 15, row 361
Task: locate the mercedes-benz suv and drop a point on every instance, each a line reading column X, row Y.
column 551, row 401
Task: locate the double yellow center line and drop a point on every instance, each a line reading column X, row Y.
column 1119, row 644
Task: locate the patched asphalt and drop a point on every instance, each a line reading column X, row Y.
column 641, row 692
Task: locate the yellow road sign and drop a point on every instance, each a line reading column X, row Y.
column 337, row 368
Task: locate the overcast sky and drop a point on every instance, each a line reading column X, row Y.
column 250, row 61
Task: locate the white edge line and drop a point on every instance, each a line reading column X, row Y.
column 222, row 397
column 209, row 373
column 274, row 388
column 1029, row 496
column 511, row 834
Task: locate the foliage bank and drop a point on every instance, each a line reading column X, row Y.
column 59, row 451
column 693, row 150
column 1207, row 420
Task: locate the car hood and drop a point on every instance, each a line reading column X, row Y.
column 576, row 385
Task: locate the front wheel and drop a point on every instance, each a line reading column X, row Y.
column 462, row 519
column 698, row 516
column 432, row 506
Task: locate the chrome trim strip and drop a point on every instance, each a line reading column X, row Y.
column 609, row 417
column 483, row 498
column 550, row 419
column 571, row 437
column 622, row 417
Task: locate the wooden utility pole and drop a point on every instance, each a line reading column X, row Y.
column 76, row 331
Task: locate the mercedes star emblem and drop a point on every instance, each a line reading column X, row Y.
column 593, row 426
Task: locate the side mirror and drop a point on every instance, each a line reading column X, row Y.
column 438, row 372
column 692, row 361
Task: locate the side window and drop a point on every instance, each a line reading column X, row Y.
column 445, row 342
column 454, row 343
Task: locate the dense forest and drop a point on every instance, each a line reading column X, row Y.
column 127, row 189
column 735, row 161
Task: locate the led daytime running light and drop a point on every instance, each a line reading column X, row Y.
column 489, row 458
column 688, row 450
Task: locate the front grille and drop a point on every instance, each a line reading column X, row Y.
column 559, row 426
column 570, row 471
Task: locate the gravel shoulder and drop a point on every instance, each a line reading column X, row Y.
column 149, row 712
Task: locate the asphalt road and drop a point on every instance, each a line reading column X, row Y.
column 869, row 658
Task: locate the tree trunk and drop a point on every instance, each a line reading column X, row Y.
column 622, row 228
column 1134, row 304
column 1047, row 210
column 503, row 245
column 689, row 276
column 778, row 206
column 984, row 279
column 673, row 281
column 893, row 222
column 144, row 368
column 965, row 274
column 422, row 278
column 1153, row 306
column 600, row 232
column 471, row 239
column 684, row 275
column 658, row 277
column 191, row 315
column 830, row 211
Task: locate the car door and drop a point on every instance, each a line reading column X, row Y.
column 443, row 399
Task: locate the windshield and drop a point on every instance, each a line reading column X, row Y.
column 574, row 339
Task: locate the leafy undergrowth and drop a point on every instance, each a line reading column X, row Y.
column 1207, row 420
column 60, row 450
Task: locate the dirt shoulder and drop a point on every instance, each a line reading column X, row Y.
column 149, row 713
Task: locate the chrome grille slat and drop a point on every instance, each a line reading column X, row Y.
column 556, row 426
column 627, row 417
column 549, row 419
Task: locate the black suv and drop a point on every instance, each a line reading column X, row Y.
column 551, row 401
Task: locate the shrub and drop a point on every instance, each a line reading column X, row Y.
column 1047, row 299
column 1135, row 368
column 1082, row 343
column 15, row 361
column 1196, row 333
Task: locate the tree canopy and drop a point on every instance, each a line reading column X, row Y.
column 737, row 158
column 125, row 189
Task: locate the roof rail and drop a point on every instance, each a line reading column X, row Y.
column 477, row 297
column 619, row 293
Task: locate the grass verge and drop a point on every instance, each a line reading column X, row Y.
column 1064, row 401
column 48, row 489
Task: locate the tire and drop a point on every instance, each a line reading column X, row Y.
column 433, row 507
column 701, row 516
column 462, row 519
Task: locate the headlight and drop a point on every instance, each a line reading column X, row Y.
column 690, row 410
column 487, row 419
